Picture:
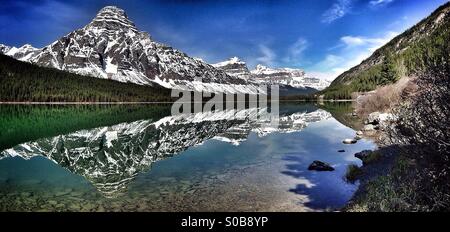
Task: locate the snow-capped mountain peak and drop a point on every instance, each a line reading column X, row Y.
column 234, row 67
column 112, row 47
column 231, row 61
column 23, row 53
column 112, row 18
column 4, row 49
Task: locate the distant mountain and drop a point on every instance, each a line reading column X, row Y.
column 24, row 53
column 287, row 77
column 112, row 47
column 411, row 52
column 296, row 78
column 234, row 67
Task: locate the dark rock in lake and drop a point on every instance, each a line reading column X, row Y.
column 317, row 165
column 341, row 150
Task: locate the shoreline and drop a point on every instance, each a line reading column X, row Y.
column 124, row 103
column 383, row 165
column 79, row 103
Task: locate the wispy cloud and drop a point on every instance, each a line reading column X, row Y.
column 380, row 2
column 338, row 10
column 370, row 43
column 267, row 57
column 295, row 51
column 353, row 50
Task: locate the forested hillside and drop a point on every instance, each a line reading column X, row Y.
column 412, row 52
column 20, row 81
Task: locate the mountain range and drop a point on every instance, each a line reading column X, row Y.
column 112, row 47
column 295, row 78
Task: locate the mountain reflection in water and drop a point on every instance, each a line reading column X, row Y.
column 138, row 158
column 111, row 157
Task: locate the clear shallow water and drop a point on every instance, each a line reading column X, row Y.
column 136, row 158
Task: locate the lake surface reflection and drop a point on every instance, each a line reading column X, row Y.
column 139, row 158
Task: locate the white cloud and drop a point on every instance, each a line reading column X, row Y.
column 338, row 10
column 268, row 56
column 296, row 50
column 352, row 40
column 354, row 49
column 372, row 44
column 380, row 2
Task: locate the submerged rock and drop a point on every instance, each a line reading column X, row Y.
column 341, row 150
column 349, row 141
column 317, row 165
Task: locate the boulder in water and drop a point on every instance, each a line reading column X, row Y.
column 317, row 165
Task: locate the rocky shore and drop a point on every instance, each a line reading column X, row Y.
column 376, row 163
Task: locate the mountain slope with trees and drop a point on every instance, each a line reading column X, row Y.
column 412, row 52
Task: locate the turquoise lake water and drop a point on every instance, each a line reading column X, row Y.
column 139, row 158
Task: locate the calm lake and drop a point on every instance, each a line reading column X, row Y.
column 139, row 158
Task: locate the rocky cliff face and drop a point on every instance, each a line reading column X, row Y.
column 112, row 47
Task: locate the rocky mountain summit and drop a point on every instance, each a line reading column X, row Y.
column 234, row 67
column 112, row 47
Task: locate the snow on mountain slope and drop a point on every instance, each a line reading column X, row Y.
column 292, row 77
column 112, row 47
column 296, row 78
column 234, row 67
column 4, row 49
column 23, row 53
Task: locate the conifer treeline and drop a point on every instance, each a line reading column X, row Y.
column 21, row 81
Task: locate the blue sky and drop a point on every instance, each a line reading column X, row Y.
column 323, row 37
